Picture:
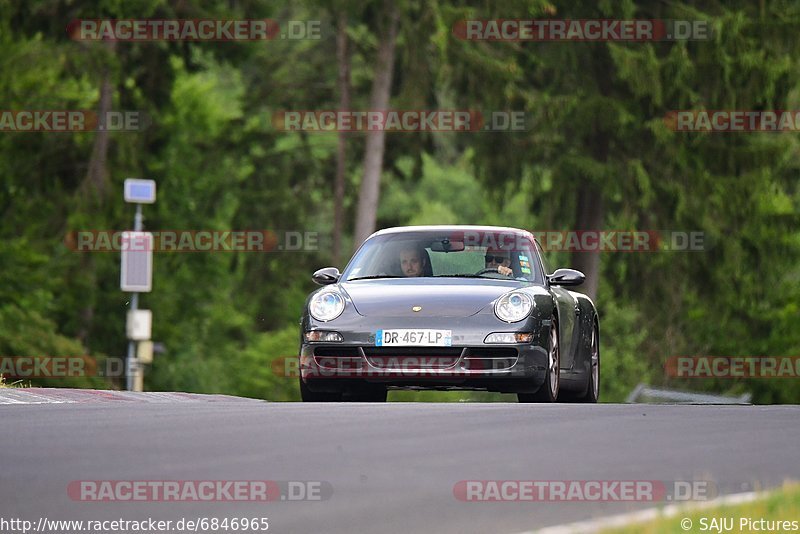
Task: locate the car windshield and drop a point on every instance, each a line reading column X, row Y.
column 459, row 254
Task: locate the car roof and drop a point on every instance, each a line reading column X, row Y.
column 450, row 228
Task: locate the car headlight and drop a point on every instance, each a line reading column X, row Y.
column 326, row 305
column 513, row 307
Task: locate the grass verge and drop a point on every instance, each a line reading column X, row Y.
column 17, row 384
column 777, row 511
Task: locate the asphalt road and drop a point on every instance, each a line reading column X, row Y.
column 391, row 467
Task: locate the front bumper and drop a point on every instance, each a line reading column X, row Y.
column 470, row 363
column 338, row 367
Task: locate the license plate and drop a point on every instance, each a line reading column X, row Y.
column 413, row 338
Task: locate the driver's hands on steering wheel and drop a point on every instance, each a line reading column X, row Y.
column 500, row 269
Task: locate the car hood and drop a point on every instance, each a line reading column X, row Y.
column 445, row 298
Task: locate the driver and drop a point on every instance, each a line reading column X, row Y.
column 412, row 261
column 500, row 260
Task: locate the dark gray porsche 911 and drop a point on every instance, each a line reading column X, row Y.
column 449, row 307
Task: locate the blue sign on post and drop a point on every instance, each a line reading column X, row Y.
column 140, row 191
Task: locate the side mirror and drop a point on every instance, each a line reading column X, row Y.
column 326, row 276
column 566, row 277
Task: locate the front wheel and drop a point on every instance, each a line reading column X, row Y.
column 373, row 395
column 548, row 392
column 593, row 387
column 317, row 396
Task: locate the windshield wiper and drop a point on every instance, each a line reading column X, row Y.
column 482, row 276
column 459, row 276
column 373, row 277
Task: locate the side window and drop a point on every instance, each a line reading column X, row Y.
column 548, row 269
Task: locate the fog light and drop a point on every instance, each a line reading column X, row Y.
column 509, row 337
column 323, row 335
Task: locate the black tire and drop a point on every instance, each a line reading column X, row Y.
column 317, row 396
column 592, row 394
column 549, row 390
column 376, row 395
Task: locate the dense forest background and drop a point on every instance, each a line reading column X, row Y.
column 598, row 154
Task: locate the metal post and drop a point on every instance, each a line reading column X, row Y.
column 132, row 367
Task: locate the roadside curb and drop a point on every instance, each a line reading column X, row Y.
column 628, row 519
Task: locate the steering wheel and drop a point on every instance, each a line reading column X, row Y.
column 490, row 270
